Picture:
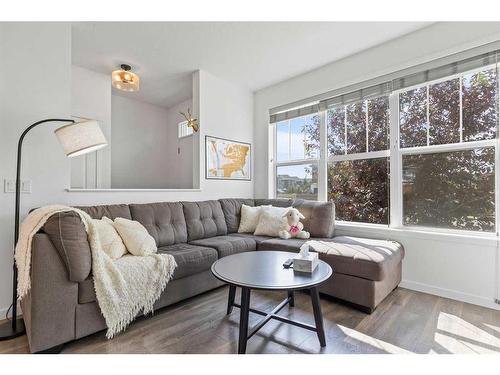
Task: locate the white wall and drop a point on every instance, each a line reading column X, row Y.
column 35, row 83
column 465, row 269
column 141, row 143
column 91, row 98
column 35, row 88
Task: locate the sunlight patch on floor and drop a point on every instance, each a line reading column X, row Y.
column 491, row 326
column 355, row 337
column 459, row 336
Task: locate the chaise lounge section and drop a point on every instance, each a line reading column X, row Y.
column 62, row 306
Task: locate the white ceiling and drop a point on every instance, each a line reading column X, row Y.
column 252, row 54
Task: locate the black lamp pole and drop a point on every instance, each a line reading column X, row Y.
column 16, row 328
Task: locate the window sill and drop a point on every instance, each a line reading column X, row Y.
column 75, row 190
column 427, row 234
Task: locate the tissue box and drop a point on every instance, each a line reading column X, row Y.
column 305, row 264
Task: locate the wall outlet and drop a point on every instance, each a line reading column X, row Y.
column 9, row 186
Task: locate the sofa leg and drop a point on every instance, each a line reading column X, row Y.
column 54, row 350
column 366, row 310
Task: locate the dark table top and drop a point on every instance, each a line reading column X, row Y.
column 264, row 270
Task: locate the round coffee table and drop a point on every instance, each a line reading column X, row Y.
column 264, row 270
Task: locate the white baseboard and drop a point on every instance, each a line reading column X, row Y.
column 448, row 293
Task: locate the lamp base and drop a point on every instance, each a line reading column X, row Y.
column 7, row 333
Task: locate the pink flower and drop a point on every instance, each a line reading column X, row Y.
column 294, row 229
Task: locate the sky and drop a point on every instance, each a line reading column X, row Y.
column 290, row 139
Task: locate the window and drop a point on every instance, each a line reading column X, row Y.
column 297, row 181
column 358, row 163
column 184, row 129
column 454, row 190
column 297, row 153
column 447, row 149
column 360, row 190
column 420, row 156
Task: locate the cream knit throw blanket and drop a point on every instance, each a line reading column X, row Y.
column 124, row 287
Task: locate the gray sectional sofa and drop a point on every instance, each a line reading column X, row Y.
column 62, row 307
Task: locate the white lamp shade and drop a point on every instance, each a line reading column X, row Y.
column 80, row 138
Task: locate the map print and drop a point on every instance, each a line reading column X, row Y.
column 227, row 159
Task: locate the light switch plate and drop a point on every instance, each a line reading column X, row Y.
column 9, row 186
column 26, row 186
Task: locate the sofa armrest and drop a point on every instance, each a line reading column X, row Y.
column 67, row 233
column 49, row 308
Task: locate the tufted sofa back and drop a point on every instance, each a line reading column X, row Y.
column 111, row 211
column 232, row 211
column 204, row 219
column 172, row 223
column 164, row 221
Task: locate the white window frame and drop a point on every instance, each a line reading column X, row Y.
column 183, row 126
column 291, row 162
column 395, row 155
column 350, row 157
column 397, row 152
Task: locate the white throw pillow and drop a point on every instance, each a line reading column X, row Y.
column 249, row 218
column 136, row 238
column 111, row 242
column 271, row 221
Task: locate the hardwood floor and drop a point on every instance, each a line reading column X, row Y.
column 406, row 322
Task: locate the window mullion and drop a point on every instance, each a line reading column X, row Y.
column 447, row 147
column 461, row 110
column 428, row 115
column 395, row 165
column 289, row 140
column 497, row 160
column 323, row 158
column 345, row 129
column 360, row 156
column 272, row 169
column 366, row 125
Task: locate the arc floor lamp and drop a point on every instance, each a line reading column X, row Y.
column 76, row 138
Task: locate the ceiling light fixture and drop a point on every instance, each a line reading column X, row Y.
column 123, row 79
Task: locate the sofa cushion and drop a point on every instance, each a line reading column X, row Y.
column 292, row 245
column 232, row 212
column 164, row 221
column 111, row 242
column 319, row 217
column 257, row 239
column 227, row 245
column 67, row 233
column 190, row 259
column 280, row 202
column 361, row 257
column 204, row 219
column 136, row 238
column 112, row 211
